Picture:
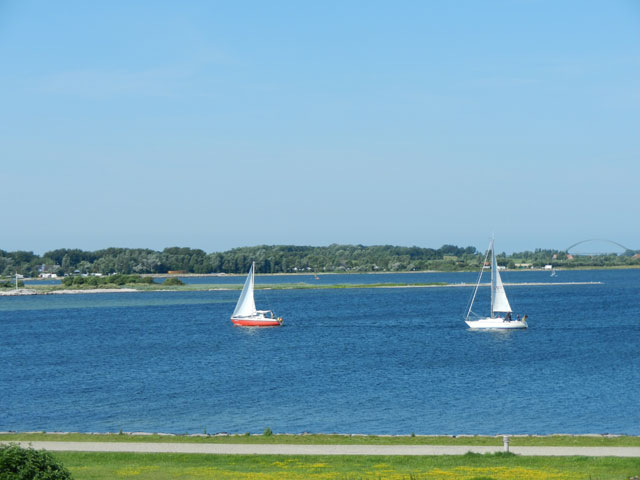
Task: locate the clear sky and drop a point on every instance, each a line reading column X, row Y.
column 215, row 125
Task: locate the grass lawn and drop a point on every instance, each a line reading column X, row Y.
column 94, row 466
column 90, row 465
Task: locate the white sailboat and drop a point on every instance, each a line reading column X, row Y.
column 246, row 314
column 500, row 308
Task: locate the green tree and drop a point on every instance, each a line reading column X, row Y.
column 66, row 264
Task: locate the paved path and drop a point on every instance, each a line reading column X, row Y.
column 263, row 449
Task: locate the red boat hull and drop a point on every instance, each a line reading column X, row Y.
column 267, row 322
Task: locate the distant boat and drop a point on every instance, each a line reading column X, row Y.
column 246, row 314
column 499, row 302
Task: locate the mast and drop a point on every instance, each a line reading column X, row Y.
column 494, row 269
column 475, row 291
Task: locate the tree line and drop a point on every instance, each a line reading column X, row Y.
column 288, row 259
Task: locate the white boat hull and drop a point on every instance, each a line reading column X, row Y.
column 494, row 323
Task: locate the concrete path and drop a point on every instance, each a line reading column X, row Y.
column 263, row 449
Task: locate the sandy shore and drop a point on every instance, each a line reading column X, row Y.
column 30, row 291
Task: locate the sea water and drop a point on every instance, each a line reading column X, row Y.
column 375, row 361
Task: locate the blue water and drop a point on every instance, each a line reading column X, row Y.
column 392, row 360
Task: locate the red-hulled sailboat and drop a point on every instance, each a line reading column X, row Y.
column 246, row 314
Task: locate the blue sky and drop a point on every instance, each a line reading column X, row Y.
column 221, row 124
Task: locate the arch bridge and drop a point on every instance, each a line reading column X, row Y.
column 624, row 249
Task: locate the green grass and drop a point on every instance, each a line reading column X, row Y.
column 529, row 441
column 500, row 466
column 96, row 466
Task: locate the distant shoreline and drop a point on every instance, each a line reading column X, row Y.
column 33, row 291
column 49, row 290
column 312, row 273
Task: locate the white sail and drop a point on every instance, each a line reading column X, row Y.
column 500, row 301
column 246, row 305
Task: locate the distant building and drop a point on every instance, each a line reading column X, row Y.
column 548, row 267
column 524, row 265
column 48, row 269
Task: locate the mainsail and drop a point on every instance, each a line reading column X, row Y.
column 246, row 305
column 499, row 301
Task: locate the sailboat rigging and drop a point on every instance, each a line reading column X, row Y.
column 499, row 301
column 246, row 314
